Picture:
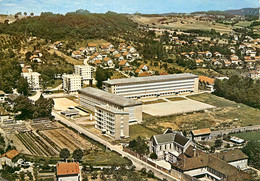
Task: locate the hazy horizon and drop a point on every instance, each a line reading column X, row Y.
column 122, row 6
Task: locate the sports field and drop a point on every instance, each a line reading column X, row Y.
column 175, row 107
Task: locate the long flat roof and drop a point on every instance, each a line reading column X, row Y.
column 150, row 78
column 111, row 109
column 113, row 98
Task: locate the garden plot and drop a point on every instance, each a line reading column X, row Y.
column 46, row 125
column 65, row 138
column 36, row 144
column 176, row 107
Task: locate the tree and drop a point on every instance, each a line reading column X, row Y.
column 25, row 105
column 153, row 156
column 143, row 171
column 44, row 107
column 139, row 146
column 94, row 175
column 31, row 14
column 23, row 86
column 218, row 143
column 101, row 76
column 64, row 153
column 252, row 150
column 77, row 154
column 25, row 14
column 16, row 16
column 150, row 174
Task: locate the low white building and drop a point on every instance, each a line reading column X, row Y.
column 85, row 71
column 71, row 82
column 169, row 142
column 7, row 158
column 201, row 134
column 33, row 79
column 67, row 172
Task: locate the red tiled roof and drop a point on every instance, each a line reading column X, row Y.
column 125, row 53
column 137, row 71
column 199, row 61
column 144, row 74
column 123, row 62
column 67, row 168
column 11, row 154
column 98, row 62
column 76, row 52
column 163, row 73
column 92, row 44
column 106, row 59
column 141, row 66
column 118, row 55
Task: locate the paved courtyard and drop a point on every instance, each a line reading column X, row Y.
column 175, row 107
column 62, row 104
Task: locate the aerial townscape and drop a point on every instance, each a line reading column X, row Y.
column 129, row 91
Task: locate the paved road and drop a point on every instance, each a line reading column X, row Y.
column 241, row 129
column 118, row 148
column 57, row 88
column 36, row 96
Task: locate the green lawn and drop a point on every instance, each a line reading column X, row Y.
column 228, row 114
column 230, row 110
column 139, row 130
column 176, row 98
column 104, row 158
column 57, row 83
column 243, row 23
column 154, row 102
column 249, row 136
column 212, row 100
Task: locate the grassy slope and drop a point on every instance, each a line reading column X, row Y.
column 227, row 115
column 249, row 136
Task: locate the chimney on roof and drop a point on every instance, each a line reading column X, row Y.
column 194, row 152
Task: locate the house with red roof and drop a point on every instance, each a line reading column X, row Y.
column 8, row 157
column 67, row 171
column 144, row 67
column 76, row 54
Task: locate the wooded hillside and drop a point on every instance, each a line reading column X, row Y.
column 71, row 26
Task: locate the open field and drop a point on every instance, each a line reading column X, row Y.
column 139, row 130
column 62, row 104
column 67, row 58
column 104, row 158
column 243, row 24
column 176, row 107
column 228, row 114
column 249, row 136
column 65, row 138
column 181, row 23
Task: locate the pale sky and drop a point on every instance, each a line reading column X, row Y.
column 122, row 6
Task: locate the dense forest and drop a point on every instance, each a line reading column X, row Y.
column 75, row 25
column 242, row 90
